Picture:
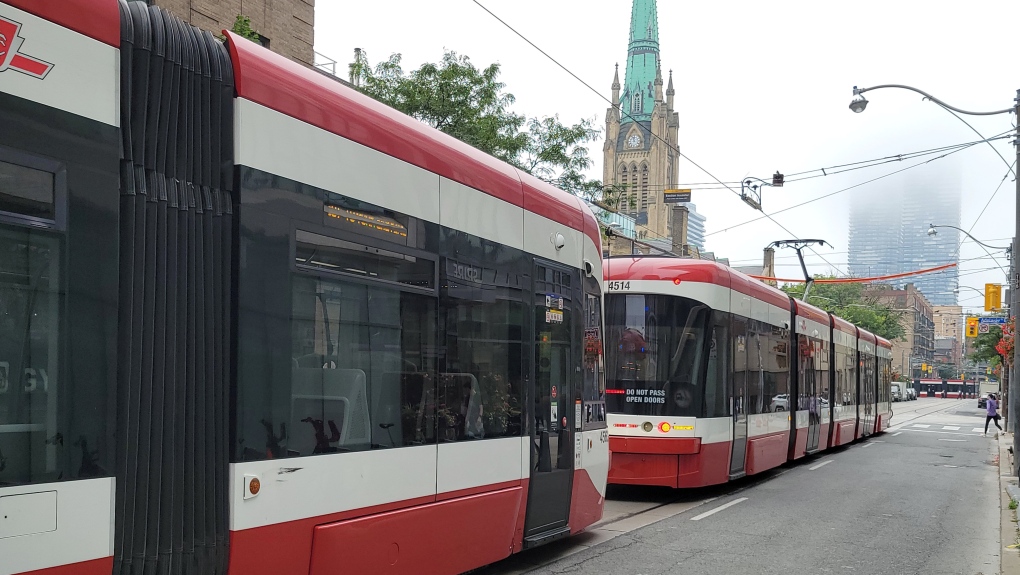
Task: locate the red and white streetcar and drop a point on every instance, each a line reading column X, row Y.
column 712, row 375
column 254, row 322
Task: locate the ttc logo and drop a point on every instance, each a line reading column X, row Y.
column 10, row 57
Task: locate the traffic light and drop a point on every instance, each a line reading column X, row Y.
column 993, row 297
column 972, row 327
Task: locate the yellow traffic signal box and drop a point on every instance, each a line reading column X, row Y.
column 972, row 327
column 993, row 297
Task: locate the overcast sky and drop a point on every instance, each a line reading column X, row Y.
column 761, row 86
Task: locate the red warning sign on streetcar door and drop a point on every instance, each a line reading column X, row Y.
column 554, row 392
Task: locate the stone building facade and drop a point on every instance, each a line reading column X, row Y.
column 640, row 152
column 917, row 347
column 286, row 26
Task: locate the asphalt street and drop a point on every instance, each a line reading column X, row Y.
column 919, row 499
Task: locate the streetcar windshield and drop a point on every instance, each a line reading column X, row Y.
column 656, row 352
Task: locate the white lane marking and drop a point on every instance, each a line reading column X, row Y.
column 867, row 445
column 897, row 433
column 718, row 509
column 822, row 464
column 978, row 430
column 951, row 427
column 941, row 432
column 922, row 425
column 944, row 439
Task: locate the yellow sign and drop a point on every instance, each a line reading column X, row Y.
column 972, row 327
column 993, row 297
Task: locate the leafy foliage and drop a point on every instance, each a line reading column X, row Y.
column 984, row 345
column 242, row 27
column 1005, row 345
column 848, row 301
column 472, row 105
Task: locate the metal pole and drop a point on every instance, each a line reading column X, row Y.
column 1012, row 392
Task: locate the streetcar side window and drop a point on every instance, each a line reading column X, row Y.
column 359, row 380
column 717, row 374
column 481, row 378
column 30, row 303
column 27, row 191
column 593, row 388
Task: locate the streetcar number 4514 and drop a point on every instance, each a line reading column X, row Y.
column 618, row 285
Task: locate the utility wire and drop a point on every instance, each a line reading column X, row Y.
column 829, row 195
column 833, row 170
column 646, row 129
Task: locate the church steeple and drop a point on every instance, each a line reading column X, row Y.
column 670, row 92
column 616, row 87
column 642, row 62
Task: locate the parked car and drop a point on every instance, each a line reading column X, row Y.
column 781, row 402
column 911, row 394
column 897, row 392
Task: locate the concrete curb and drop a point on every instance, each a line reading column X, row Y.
column 1008, row 487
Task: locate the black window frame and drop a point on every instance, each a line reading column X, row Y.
column 367, row 242
column 42, row 164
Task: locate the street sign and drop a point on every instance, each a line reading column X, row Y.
column 676, row 196
column 993, row 297
column 992, row 320
column 984, row 328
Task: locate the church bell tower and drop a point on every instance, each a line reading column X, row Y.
column 640, row 154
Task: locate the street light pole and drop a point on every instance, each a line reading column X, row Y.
column 858, row 105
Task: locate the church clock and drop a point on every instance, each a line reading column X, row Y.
column 634, row 141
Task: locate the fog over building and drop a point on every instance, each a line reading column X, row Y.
column 888, row 232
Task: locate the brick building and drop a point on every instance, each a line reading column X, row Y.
column 917, row 347
column 286, row 26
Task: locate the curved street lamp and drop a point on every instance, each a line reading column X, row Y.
column 860, row 103
column 932, row 231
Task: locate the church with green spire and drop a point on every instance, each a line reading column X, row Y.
column 641, row 127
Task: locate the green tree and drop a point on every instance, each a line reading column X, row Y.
column 983, row 346
column 472, row 105
column 242, row 27
column 848, row 301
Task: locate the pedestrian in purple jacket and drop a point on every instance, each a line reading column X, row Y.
column 992, row 414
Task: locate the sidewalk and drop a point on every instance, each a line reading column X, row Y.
column 1008, row 488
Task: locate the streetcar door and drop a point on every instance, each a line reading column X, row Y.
column 811, row 390
column 556, row 367
column 738, row 395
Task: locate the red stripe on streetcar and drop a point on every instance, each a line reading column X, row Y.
column 585, row 502
column 419, row 540
column 102, row 566
column 277, row 83
column 663, row 445
column 98, row 19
